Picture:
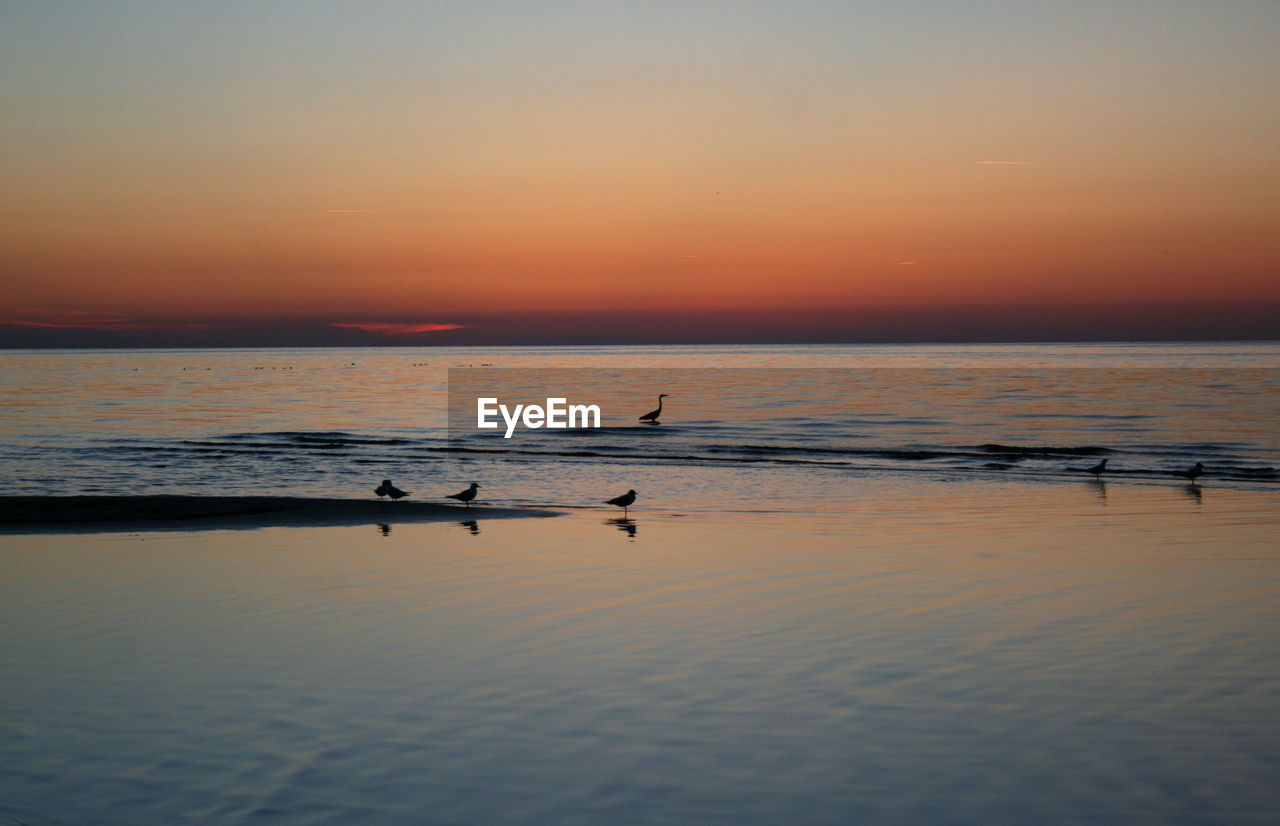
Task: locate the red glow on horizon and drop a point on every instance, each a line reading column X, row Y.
column 391, row 329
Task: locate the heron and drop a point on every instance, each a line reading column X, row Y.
column 1190, row 473
column 652, row 416
column 624, row 501
column 465, row 496
column 388, row 489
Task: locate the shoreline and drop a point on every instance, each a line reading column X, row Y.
column 62, row 514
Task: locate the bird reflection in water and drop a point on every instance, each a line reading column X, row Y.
column 1194, row 493
column 623, row 524
column 472, row 526
column 384, row 529
column 1100, row 488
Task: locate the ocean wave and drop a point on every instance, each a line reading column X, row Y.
column 1037, row 450
column 295, row 459
column 308, row 438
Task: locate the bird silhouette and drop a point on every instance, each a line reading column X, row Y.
column 465, row 496
column 1097, row 469
column 652, row 416
column 624, row 501
column 388, row 489
column 1191, row 473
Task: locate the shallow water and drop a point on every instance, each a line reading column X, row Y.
column 1004, row 652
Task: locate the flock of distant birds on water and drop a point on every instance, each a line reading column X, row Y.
column 1190, row 474
column 624, row 501
column 387, row 489
column 628, row 499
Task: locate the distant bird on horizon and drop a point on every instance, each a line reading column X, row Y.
column 624, row 501
column 652, row 416
column 1097, row 469
column 1191, row 473
column 388, row 489
column 465, row 496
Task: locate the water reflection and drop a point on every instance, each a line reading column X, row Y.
column 622, row 523
column 1194, row 493
column 1099, row 487
column 384, row 529
column 212, row 663
column 471, row 525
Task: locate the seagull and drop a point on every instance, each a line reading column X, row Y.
column 652, row 416
column 624, row 501
column 1097, row 469
column 388, row 489
column 465, row 496
column 1192, row 473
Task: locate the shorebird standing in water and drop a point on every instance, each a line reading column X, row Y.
column 1097, row 469
column 1190, row 473
column 388, row 489
column 465, row 496
column 652, row 416
column 624, row 501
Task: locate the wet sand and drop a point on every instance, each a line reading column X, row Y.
column 43, row 514
column 921, row 652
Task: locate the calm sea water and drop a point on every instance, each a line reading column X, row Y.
column 335, row 421
column 876, row 596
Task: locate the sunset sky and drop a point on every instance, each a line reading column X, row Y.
column 423, row 172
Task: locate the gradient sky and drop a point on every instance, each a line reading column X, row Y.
column 504, row 172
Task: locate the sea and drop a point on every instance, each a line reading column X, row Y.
column 858, row 584
column 334, row 422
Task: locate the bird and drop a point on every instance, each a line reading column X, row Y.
column 1097, row 469
column 652, row 416
column 624, row 501
column 465, row 496
column 1190, row 473
column 388, row 489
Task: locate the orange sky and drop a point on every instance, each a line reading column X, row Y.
column 220, row 165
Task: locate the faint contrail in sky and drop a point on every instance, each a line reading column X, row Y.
column 43, row 317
